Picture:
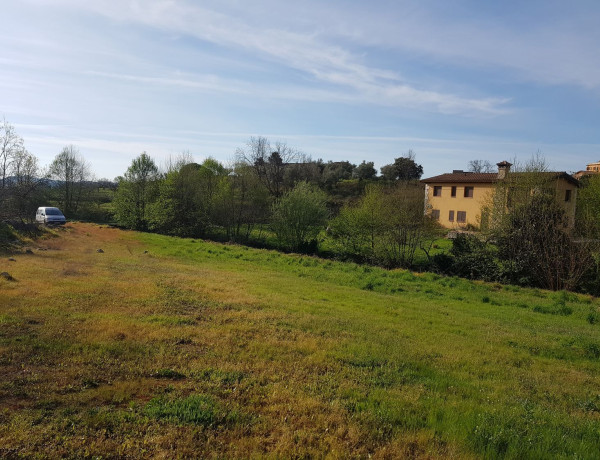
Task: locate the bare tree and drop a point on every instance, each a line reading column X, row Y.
column 25, row 185
column 10, row 144
column 268, row 161
column 72, row 171
column 481, row 166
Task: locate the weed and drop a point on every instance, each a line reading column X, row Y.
column 195, row 409
column 592, row 350
column 169, row 374
column 593, row 316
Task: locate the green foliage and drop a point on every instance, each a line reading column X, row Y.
column 136, row 191
column 299, row 216
column 169, row 374
column 470, row 257
column 385, row 227
column 403, row 168
column 588, row 207
column 360, row 358
column 365, row 171
column 7, row 234
column 182, row 207
column 334, row 172
column 593, row 316
column 535, row 248
column 195, row 409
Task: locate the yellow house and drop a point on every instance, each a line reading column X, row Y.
column 593, row 167
column 456, row 199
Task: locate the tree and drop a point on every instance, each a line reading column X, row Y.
column 179, row 208
column 386, row 226
column 10, row 145
column 532, row 232
column 136, row 190
column 481, row 166
column 19, row 176
column 365, row 171
column 25, row 187
column 299, row 215
column 268, row 162
column 588, row 207
column 240, row 202
column 403, row 168
column 333, row 172
column 70, row 169
column 536, row 248
column 358, row 227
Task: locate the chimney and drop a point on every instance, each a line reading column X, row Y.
column 503, row 169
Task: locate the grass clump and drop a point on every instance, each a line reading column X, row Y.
column 169, row 374
column 198, row 409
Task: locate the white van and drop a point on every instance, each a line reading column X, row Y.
column 49, row 216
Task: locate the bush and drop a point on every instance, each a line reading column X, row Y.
column 299, row 216
column 469, row 258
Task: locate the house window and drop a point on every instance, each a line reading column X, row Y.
column 453, row 192
column 451, row 216
column 435, row 214
column 468, row 192
column 437, row 190
column 461, row 216
column 567, row 195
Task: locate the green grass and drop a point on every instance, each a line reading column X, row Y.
column 200, row 349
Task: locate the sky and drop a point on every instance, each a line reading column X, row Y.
column 453, row 81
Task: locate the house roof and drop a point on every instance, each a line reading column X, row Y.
column 462, row 177
column 465, row 177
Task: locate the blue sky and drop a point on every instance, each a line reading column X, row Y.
column 338, row 80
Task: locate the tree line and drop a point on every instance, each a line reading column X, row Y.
column 273, row 195
column 268, row 189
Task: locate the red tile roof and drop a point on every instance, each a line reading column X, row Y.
column 463, row 177
column 466, row 177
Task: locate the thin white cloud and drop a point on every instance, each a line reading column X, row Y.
column 549, row 42
column 322, row 61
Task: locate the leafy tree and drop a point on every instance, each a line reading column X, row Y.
column 179, row 208
column 532, row 232
column 305, row 171
column 536, row 248
column 72, row 172
column 365, row 171
column 136, row 190
column 386, row 226
column 241, row 202
column 403, row 168
column 358, row 227
column 333, row 172
column 299, row 215
column 588, row 207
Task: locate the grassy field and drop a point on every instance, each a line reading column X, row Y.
column 161, row 347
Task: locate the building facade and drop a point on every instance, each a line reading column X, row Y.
column 458, row 199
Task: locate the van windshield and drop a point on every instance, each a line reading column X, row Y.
column 53, row 212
